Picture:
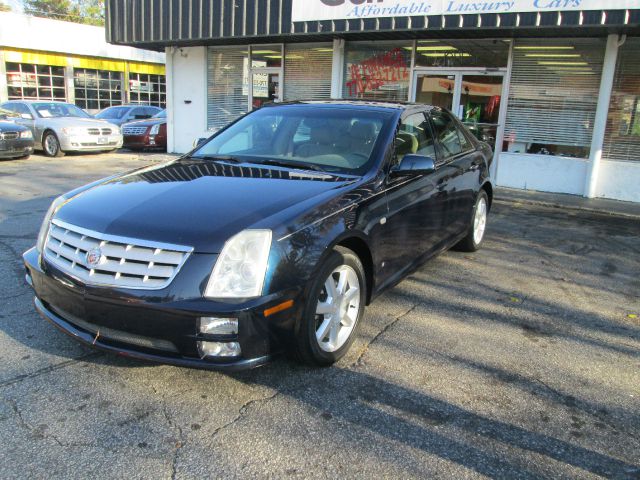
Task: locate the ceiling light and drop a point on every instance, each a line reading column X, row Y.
column 437, row 48
column 554, row 55
column 563, row 63
column 542, row 47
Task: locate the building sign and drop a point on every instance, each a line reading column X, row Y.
column 136, row 86
column 311, row 10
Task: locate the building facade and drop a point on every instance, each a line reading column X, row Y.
column 552, row 85
column 43, row 59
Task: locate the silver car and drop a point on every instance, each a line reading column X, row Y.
column 60, row 127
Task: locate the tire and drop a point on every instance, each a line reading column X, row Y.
column 51, row 145
column 325, row 347
column 477, row 228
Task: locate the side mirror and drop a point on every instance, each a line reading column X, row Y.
column 415, row 165
column 26, row 116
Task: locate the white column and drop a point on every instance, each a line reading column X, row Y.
column 337, row 70
column 602, row 111
column 169, row 51
column 4, row 94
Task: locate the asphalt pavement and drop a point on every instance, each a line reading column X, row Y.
column 518, row 361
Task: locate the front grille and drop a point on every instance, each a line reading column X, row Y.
column 123, row 262
column 94, row 144
column 9, row 135
column 93, row 131
column 101, row 332
column 134, row 130
column 106, row 131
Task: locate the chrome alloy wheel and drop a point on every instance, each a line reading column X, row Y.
column 51, row 145
column 480, row 220
column 338, row 308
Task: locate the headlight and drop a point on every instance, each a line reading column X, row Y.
column 26, row 134
column 155, row 129
column 44, row 229
column 241, row 267
column 73, row 131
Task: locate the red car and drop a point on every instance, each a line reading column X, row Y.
column 146, row 134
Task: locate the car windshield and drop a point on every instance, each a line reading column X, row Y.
column 56, row 109
column 332, row 139
column 162, row 114
column 113, row 113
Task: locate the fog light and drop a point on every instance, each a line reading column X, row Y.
column 219, row 349
column 218, row 326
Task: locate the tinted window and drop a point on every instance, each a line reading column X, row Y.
column 415, row 137
column 464, row 141
column 333, row 139
column 446, row 131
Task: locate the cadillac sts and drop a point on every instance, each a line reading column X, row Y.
column 272, row 236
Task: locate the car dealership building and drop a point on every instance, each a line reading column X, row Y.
column 44, row 59
column 552, row 85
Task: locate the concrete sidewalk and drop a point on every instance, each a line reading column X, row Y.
column 571, row 202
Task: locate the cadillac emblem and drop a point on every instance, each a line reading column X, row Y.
column 94, row 257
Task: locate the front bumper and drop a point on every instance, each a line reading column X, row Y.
column 90, row 143
column 20, row 147
column 152, row 325
column 144, row 141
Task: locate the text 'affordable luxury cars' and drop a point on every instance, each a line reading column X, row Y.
column 270, row 237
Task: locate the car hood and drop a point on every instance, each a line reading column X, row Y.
column 9, row 126
column 59, row 122
column 145, row 123
column 198, row 204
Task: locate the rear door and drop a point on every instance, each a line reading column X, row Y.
column 458, row 164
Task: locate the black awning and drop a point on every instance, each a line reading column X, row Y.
column 155, row 24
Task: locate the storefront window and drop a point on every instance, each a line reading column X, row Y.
column 377, row 70
column 97, row 89
column 227, row 85
column 553, row 96
column 307, row 72
column 622, row 136
column 35, row 82
column 462, row 53
column 266, row 56
column 147, row 89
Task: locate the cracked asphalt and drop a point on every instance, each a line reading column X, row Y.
column 519, row 361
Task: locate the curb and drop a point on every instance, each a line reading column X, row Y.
column 564, row 206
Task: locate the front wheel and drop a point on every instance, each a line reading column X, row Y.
column 51, row 145
column 475, row 236
column 331, row 317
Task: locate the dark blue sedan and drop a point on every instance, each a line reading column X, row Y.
column 270, row 237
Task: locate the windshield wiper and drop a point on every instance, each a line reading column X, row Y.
column 217, row 158
column 296, row 165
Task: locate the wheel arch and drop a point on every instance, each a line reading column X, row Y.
column 358, row 245
column 488, row 188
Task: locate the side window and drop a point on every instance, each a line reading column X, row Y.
column 446, row 132
column 414, row 137
column 464, row 141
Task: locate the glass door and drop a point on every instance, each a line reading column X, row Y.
column 479, row 105
column 265, row 87
column 438, row 89
column 474, row 96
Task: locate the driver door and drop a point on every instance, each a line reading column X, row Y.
column 414, row 221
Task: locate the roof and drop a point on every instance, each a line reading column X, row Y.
column 395, row 105
column 23, row 32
